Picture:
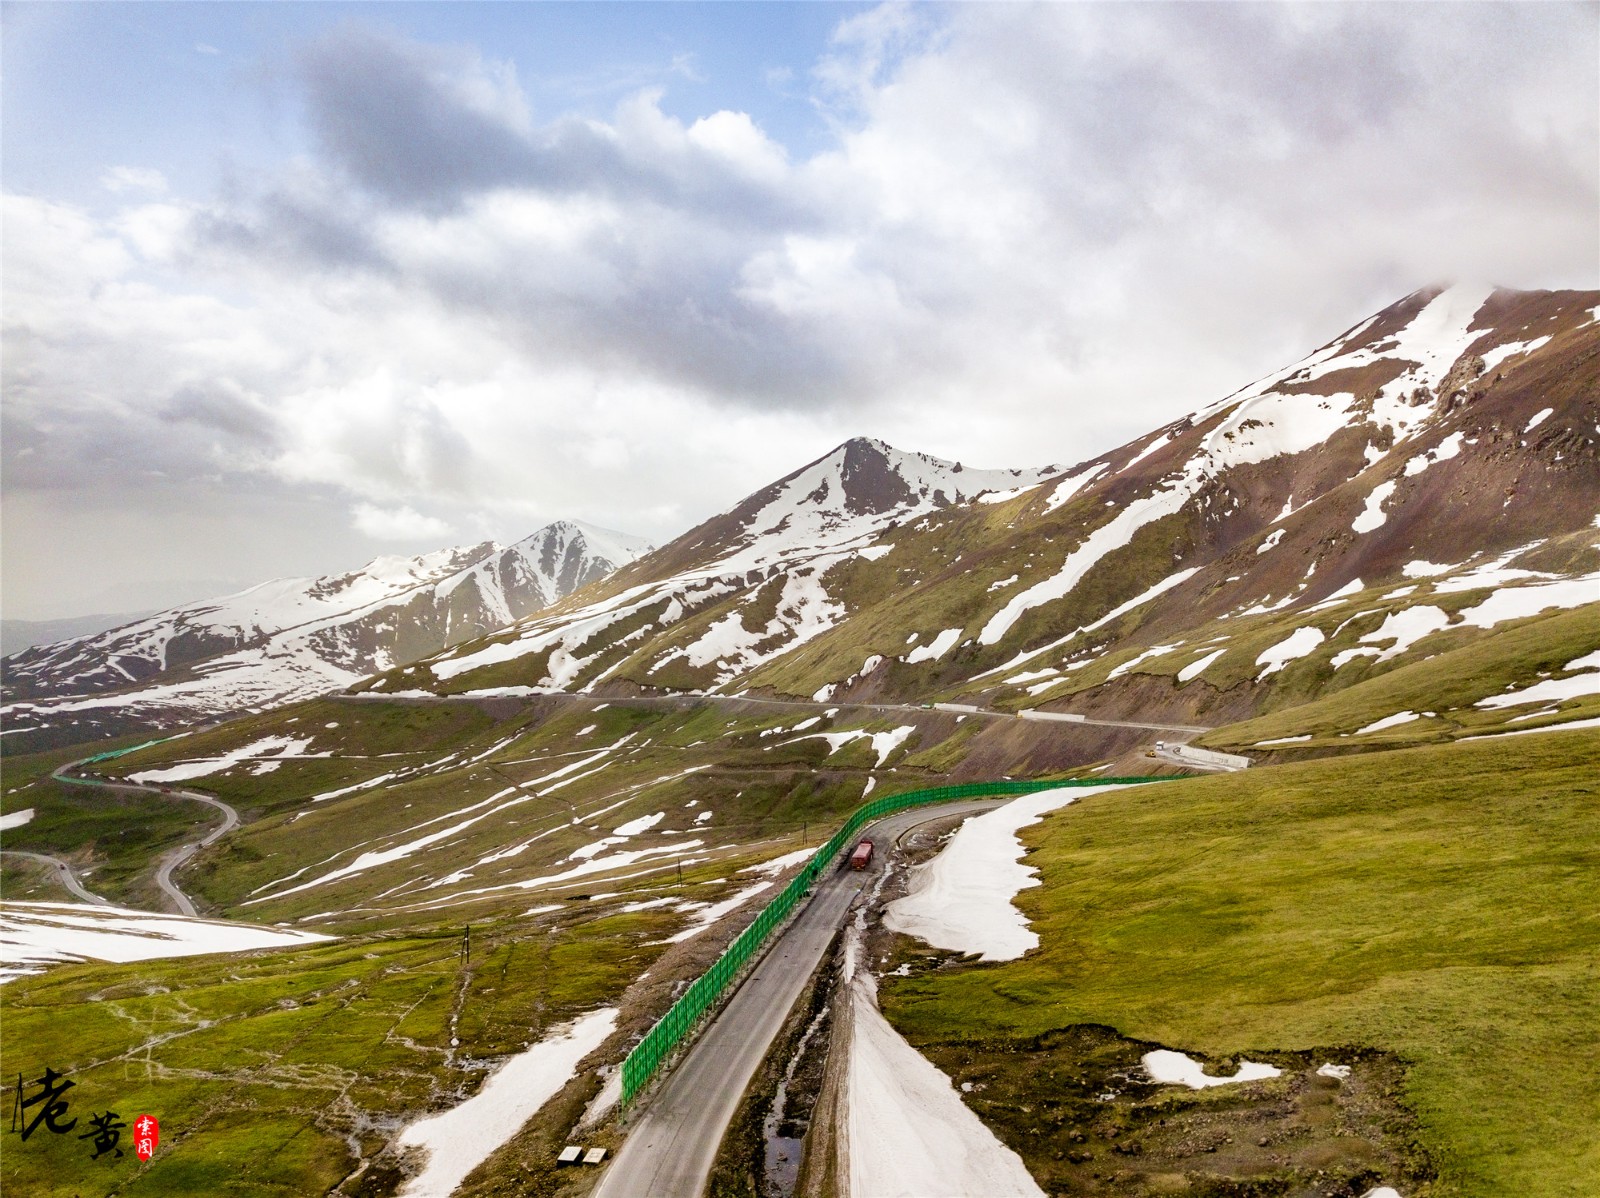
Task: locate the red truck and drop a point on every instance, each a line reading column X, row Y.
column 862, row 855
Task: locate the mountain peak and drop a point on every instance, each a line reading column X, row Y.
column 292, row 637
column 850, row 494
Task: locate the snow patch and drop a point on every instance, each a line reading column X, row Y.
column 457, row 1141
column 277, row 746
column 16, row 819
column 1424, row 569
column 778, row 864
column 1443, row 452
column 961, row 899
column 1388, row 721
column 1069, row 486
column 1196, row 668
column 1109, row 537
column 1156, row 651
column 940, row 645
column 1550, row 690
column 36, row 934
column 1497, row 355
column 1143, row 597
column 883, row 743
column 643, row 824
column 1175, row 1068
column 707, row 914
column 1406, row 628
column 909, row 1133
column 1518, row 602
column 1372, row 516
column 1298, row 643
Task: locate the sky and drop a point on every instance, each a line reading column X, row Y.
column 290, row 286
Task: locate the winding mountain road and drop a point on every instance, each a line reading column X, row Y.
column 173, row 858
column 64, row 874
column 673, row 1144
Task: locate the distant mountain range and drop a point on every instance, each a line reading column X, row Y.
column 1351, row 505
column 1424, row 483
column 295, row 637
column 17, row 635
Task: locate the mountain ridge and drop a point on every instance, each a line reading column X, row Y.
column 1455, row 425
column 289, row 637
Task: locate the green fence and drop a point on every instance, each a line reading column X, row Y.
column 110, row 753
column 699, row 999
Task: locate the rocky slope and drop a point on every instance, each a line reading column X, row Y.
column 1447, row 444
column 741, row 589
column 295, row 637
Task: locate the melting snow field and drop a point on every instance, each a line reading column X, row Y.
column 34, row 935
column 704, row 915
column 1390, row 721
column 910, row 1135
column 961, row 900
column 1176, row 1069
column 276, row 747
column 1195, row 668
column 460, row 1139
column 938, row 647
column 1300, row 642
column 16, row 819
column 883, row 743
column 778, row 864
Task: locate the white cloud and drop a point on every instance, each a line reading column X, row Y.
column 133, row 178
column 398, row 524
column 1037, row 231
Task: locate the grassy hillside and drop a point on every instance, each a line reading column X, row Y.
column 1434, row 906
column 285, row 1072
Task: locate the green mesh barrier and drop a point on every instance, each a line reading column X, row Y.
column 110, row 753
column 685, row 1016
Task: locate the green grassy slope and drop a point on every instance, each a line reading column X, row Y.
column 1448, row 684
column 1436, row 902
column 275, row 1073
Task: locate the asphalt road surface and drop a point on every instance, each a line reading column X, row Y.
column 174, row 857
column 675, row 1136
column 64, row 874
column 177, row 856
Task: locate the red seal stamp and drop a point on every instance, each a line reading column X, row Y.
column 146, row 1135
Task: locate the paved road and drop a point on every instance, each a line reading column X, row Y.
column 177, row 856
column 674, row 1140
column 64, row 874
column 173, row 858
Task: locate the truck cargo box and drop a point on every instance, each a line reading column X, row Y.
column 862, row 855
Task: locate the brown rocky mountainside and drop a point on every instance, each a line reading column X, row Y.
column 1399, row 463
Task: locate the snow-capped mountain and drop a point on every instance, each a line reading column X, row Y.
column 841, row 502
column 1454, row 428
column 766, row 557
column 293, row 637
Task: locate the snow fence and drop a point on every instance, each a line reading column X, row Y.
column 700, row 999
